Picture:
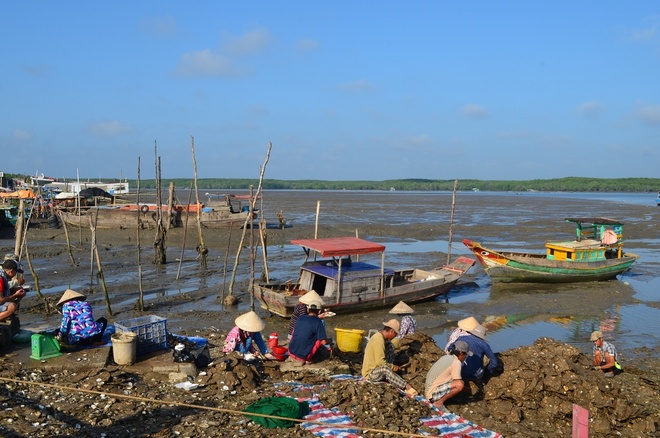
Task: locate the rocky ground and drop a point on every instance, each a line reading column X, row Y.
column 534, row 395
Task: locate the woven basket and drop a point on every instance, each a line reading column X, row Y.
column 350, row 340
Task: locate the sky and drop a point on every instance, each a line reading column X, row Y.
column 342, row 90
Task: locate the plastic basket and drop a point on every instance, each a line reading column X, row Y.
column 350, row 340
column 151, row 332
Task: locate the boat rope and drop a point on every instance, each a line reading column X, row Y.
column 209, row 408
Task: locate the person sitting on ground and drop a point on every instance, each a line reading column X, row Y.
column 18, row 281
column 301, row 309
column 9, row 296
column 606, row 358
column 375, row 366
column 482, row 362
column 78, row 326
column 443, row 381
column 246, row 334
column 309, row 335
column 408, row 323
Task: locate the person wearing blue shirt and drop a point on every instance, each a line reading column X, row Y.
column 309, row 335
column 483, row 361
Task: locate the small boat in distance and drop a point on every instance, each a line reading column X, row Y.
column 595, row 254
column 347, row 285
column 657, row 200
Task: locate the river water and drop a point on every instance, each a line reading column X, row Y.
column 627, row 310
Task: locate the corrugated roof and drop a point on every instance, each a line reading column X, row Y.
column 340, row 246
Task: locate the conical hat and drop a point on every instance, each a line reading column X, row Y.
column 471, row 326
column 310, row 297
column 70, row 295
column 250, row 322
column 401, row 309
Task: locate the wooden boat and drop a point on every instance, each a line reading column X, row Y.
column 595, row 254
column 222, row 211
column 109, row 217
column 348, row 285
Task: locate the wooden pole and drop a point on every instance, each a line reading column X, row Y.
column 253, row 253
column 224, row 275
column 247, row 219
column 170, row 204
column 35, row 276
column 160, row 252
column 20, row 223
column 185, row 232
column 140, row 302
column 201, row 248
column 68, row 243
column 451, row 220
column 92, row 225
column 316, row 226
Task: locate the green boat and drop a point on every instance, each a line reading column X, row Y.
column 595, row 254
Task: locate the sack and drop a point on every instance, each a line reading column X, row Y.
column 201, row 356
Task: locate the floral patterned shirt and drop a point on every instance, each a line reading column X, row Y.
column 78, row 322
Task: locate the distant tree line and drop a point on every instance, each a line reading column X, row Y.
column 568, row 184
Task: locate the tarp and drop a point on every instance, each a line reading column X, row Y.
column 95, row 191
column 340, row 246
column 19, row 194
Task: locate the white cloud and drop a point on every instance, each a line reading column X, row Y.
column 307, row 45
column 36, row 70
column 591, row 109
column 160, row 27
column 22, row 136
column 357, row 86
column 250, row 43
column 643, row 34
column 110, row 128
column 474, row 111
column 221, row 62
column 648, row 114
column 205, row 63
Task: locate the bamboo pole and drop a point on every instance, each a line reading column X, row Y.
column 20, row 223
column 451, row 220
column 68, row 243
column 247, row 219
column 253, row 252
column 316, row 224
column 224, row 275
column 201, row 248
column 160, row 253
column 140, row 302
column 35, row 276
column 185, row 232
column 170, row 205
column 92, row 225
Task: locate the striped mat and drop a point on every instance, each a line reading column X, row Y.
column 338, row 424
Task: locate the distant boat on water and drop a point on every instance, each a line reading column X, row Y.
column 657, row 200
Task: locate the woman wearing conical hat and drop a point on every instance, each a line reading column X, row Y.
column 301, row 308
column 408, row 323
column 78, row 326
column 246, row 334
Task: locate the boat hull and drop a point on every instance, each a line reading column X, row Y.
column 109, row 218
column 514, row 267
column 419, row 286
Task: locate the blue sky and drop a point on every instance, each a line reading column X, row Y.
column 343, row 90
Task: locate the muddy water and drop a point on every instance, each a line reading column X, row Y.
column 415, row 227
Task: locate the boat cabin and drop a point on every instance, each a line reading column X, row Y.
column 596, row 239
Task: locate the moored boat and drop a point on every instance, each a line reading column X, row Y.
column 348, row 285
column 595, row 254
column 109, row 217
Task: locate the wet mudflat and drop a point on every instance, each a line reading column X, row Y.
column 531, row 398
